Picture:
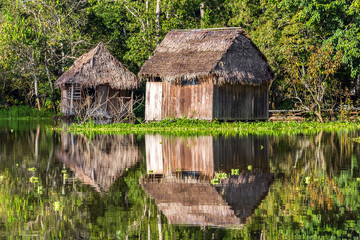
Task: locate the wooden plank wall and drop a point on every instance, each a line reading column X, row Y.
column 189, row 154
column 154, row 154
column 153, row 101
column 240, row 102
column 166, row 155
column 116, row 102
column 206, row 154
column 65, row 102
column 192, row 101
column 101, row 97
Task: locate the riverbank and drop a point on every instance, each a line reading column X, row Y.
column 25, row 112
column 201, row 127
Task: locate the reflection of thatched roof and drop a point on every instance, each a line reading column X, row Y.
column 244, row 192
column 190, row 203
column 100, row 161
column 99, row 67
column 228, row 53
column 198, row 203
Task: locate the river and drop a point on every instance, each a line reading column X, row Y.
column 58, row 185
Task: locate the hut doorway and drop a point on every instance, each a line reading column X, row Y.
column 101, row 98
column 153, row 100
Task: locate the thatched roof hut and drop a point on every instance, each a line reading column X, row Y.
column 99, row 67
column 97, row 81
column 98, row 162
column 190, row 54
column 202, row 71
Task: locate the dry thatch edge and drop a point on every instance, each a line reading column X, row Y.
column 219, row 79
column 82, row 71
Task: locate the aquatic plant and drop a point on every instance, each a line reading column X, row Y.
column 186, row 127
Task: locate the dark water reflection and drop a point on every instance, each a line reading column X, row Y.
column 60, row 185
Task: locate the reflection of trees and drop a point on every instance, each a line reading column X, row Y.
column 326, row 151
column 317, row 179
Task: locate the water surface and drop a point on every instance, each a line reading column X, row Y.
column 67, row 186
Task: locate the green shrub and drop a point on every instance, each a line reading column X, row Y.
column 24, row 112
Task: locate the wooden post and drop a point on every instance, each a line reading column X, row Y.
column 131, row 102
column 72, row 99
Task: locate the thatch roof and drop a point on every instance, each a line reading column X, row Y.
column 227, row 53
column 98, row 162
column 98, row 67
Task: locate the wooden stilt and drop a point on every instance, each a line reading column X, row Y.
column 72, row 99
column 131, row 102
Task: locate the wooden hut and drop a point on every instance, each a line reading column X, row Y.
column 99, row 161
column 98, row 84
column 207, row 74
column 179, row 173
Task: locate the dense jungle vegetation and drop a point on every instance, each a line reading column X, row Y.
column 313, row 46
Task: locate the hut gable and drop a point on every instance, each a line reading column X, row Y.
column 99, row 67
column 243, row 63
column 227, row 53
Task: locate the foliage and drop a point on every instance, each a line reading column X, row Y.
column 39, row 40
column 183, row 126
column 312, row 84
column 16, row 112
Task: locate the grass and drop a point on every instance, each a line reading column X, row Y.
column 184, row 126
column 24, row 112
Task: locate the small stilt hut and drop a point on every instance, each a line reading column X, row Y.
column 207, row 74
column 98, row 85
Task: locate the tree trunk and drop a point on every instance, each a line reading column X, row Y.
column 157, row 21
column 147, row 12
column 37, row 92
column 318, row 114
column 202, row 12
column 357, row 88
column 62, row 58
column 51, row 87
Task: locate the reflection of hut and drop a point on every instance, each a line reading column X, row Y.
column 184, row 193
column 205, row 155
column 207, row 74
column 190, row 155
column 99, row 161
column 98, row 83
